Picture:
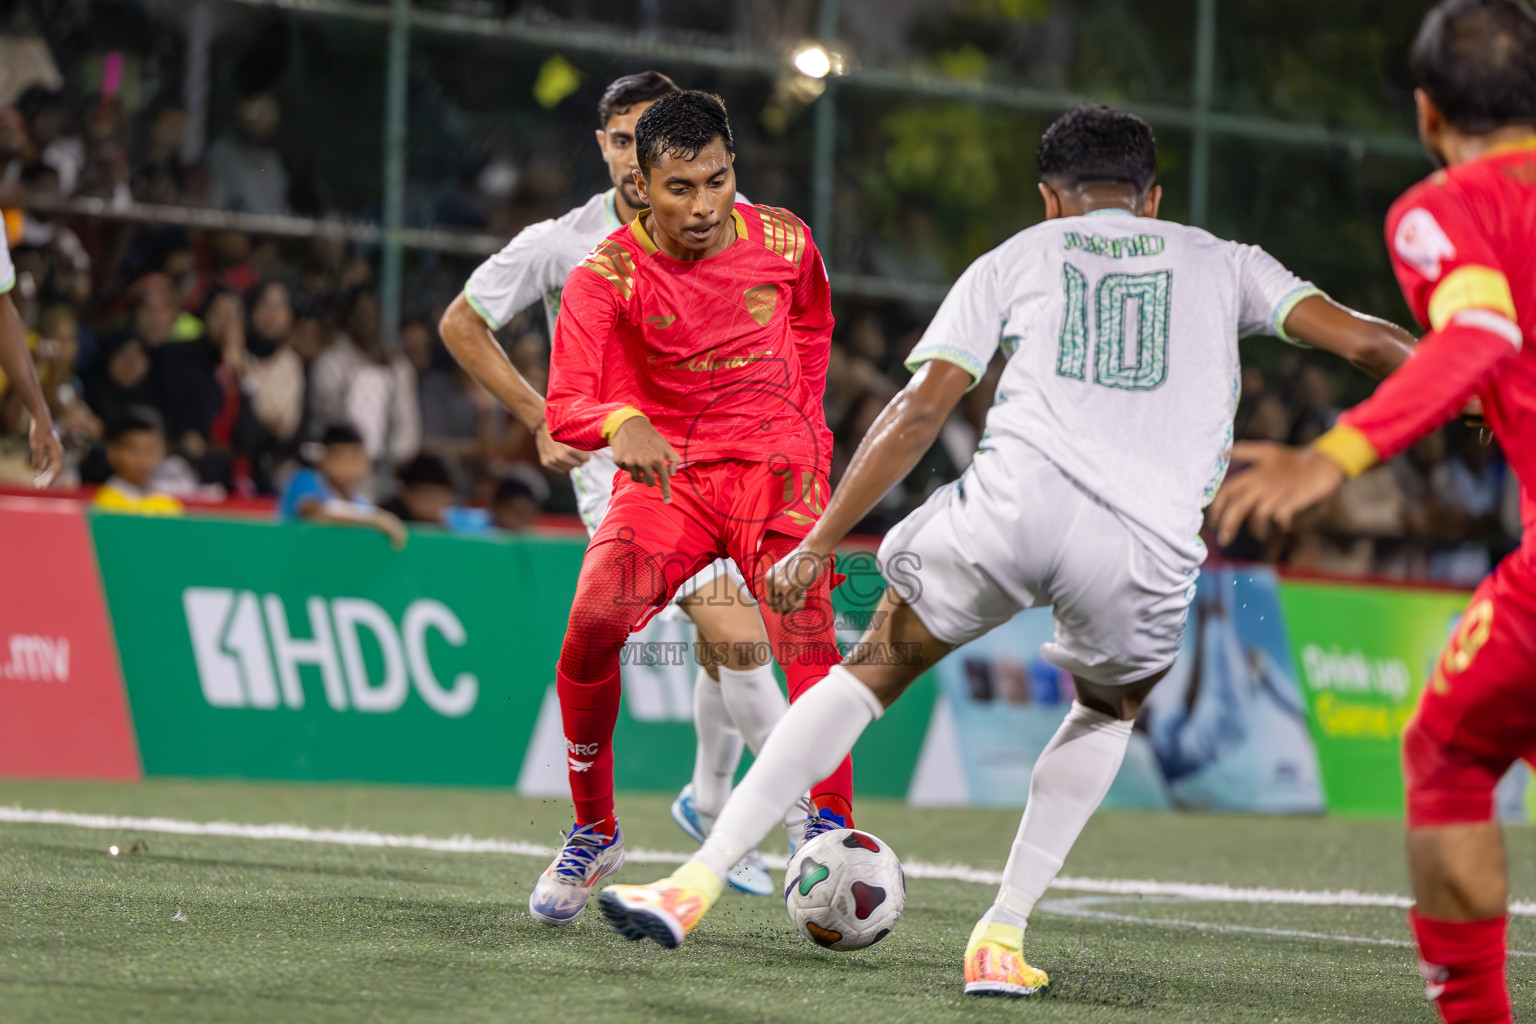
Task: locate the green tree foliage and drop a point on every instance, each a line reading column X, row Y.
column 1341, row 63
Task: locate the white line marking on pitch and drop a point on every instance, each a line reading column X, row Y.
column 1080, row 907
column 1188, row 891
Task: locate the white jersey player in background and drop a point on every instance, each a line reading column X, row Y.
column 736, row 701
column 1109, row 434
column 16, row 362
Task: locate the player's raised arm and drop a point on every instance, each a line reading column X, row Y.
column 1466, row 299
column 577, row 416
column 1273, row 300
column 1447, row 369
column 904, row 430
column 502, row 286
column 1372, row 345
column 472, row 344
column 948, row 362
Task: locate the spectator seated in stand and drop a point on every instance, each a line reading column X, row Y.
column 245, row 171
column 425, row 491
column 135, row 450
column 514, row 507
column 271, row 378
column 356, row 380
column 426, row 497
column 331, row 491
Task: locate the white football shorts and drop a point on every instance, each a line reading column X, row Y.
column 593, row 481
column 1014, row 532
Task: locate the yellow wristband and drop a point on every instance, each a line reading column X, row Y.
column 1347, row 447
column 618, row 418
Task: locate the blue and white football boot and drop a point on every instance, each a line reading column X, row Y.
column 750, row 875
column 586, row 858
column 816, row 824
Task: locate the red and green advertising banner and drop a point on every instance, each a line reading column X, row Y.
column 213, row 647
column 259, row 650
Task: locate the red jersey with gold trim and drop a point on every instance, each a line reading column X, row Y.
column 1462, row 248
column 726, row 356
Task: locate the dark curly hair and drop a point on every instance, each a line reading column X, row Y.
column 1477, row 60
column 681, row 124
column 1098, row 143
column 624, row 93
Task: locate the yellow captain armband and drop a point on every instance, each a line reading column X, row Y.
column 1348, row 448
column 1470, row 287
column 618, row 418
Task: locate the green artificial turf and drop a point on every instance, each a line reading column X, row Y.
column 236, row 929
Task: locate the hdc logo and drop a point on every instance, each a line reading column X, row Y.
column 248, row 657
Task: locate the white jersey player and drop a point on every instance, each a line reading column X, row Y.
column 1109, row 434
column 533, row 267
column 16, row 363
column 737, row 699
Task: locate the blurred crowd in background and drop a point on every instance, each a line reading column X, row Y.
column 247, row 347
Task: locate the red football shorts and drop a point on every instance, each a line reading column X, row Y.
column 721, row 508
column 639, row 555
column 1478, row 713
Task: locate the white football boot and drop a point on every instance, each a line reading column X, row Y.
column 586, row 858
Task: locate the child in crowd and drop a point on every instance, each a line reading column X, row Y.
column 330, row 492
column 135, row 449
column 425, row 493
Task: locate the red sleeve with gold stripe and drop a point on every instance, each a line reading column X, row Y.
column 596, row 294
column 1455, row 284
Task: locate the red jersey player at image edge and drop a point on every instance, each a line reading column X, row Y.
column 1461, row 248
column 695, row 342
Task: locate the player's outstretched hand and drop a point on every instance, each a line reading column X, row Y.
column 1280, row 484
column 47, row 454
column 553, row 455
column 644, row 454
column 792, row 577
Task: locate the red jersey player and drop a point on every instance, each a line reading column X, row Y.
column 695, row 342
column 1461, row 248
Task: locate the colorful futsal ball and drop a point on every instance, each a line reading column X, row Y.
column 845, row 889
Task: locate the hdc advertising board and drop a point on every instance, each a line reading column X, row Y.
column 259, row 650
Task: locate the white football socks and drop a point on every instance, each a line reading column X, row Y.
column 718, row 751
column 755, row 702
column 1069, row 781
column 811, row 739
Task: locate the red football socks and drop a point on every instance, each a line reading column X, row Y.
column 1463, row 967
column 588, row 712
